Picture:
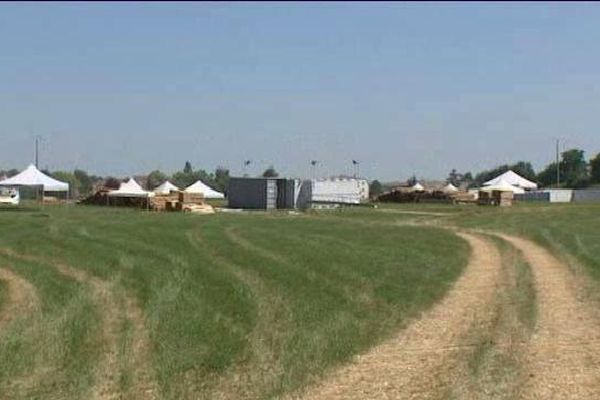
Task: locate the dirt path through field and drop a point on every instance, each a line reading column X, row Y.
column 420, row 361
column 563, row 357
column 22, row 297
column 115, row 316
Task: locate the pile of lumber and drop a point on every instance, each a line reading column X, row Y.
column 463, row 198
column 495, row 198
column 400, row 196
column 181, row 201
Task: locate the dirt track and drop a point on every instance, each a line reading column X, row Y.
column 420, row 361
column 560, row 360
column 563, row 357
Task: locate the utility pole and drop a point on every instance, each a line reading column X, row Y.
column 314, row 168
column 557, row 164
column 37, row 139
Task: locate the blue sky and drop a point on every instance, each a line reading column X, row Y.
column 403, row 87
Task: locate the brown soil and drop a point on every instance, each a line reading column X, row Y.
column 420, row 361
column 563, row 357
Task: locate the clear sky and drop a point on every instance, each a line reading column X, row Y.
column 402, row 87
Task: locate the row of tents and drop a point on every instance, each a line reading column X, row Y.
column 33, row 177
column 509, row 181
column 133, row 189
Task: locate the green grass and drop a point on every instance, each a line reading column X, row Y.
column 236, row 305
column 3, row 294
column 567, row 229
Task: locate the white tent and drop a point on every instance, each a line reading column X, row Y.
column 31, row 176
column 207, row 191
column 513, row 179
column 502, row 186
column 165, row 188
column 449, row 188
column 130, row 189
column 417, row 187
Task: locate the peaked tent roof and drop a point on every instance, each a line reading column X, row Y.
column 449, row 188
column 514, row 179
column 207, row 191
column 130, row 189
column 165, row 188
column 31, row 176
column 417, row 187
column 503, row 186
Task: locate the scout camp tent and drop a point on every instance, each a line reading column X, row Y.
column 130, row 189
column 502, row 186
column 513, row 179
column 449, row 188
column 207, row 191
column 33, row 177
column 166, row 188
column 417, row 187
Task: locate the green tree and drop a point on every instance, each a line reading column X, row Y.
column 111, row 182
column 187, row 168
column 71, row 179
column 547, row 177
column 86, row 181
column 375, row 188
column 155, row 178
column 595, row 169
column 221, row 179
column 270, row 172
column 573, row 169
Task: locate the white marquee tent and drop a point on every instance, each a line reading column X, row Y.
column 31, row 176
column 513, row 179
column 417, row 187
column 449, row 188
column 130, row 189
column 502, row 186
column 207, row 191
column 165, row 188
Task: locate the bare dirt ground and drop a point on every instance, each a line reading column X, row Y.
column 114, row 319
column 420, row 361
column 563, row 356
column 22, row 297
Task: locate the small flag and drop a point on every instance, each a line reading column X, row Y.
column 313, row 162
column 354, row 162
column 247, row 162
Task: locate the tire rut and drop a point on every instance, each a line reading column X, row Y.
column 107, row 384
column 22, row 298
column 563, row 357
column 420, row 361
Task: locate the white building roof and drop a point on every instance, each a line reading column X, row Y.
column 207, row 191
column 449, row 188
column 31, row 176
column 513, row 179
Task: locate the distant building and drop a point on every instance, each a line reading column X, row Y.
column 282, row 193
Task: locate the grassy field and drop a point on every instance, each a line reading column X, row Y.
column 223, row 306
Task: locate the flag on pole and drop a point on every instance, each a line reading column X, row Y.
column 354, row 162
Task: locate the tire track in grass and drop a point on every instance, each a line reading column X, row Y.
column 420, row 361
column 563, row 358
column 108, row 384
column 21, row 299
column 494, row 369
column 252, row 377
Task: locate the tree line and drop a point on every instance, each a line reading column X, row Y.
column 574, row 171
